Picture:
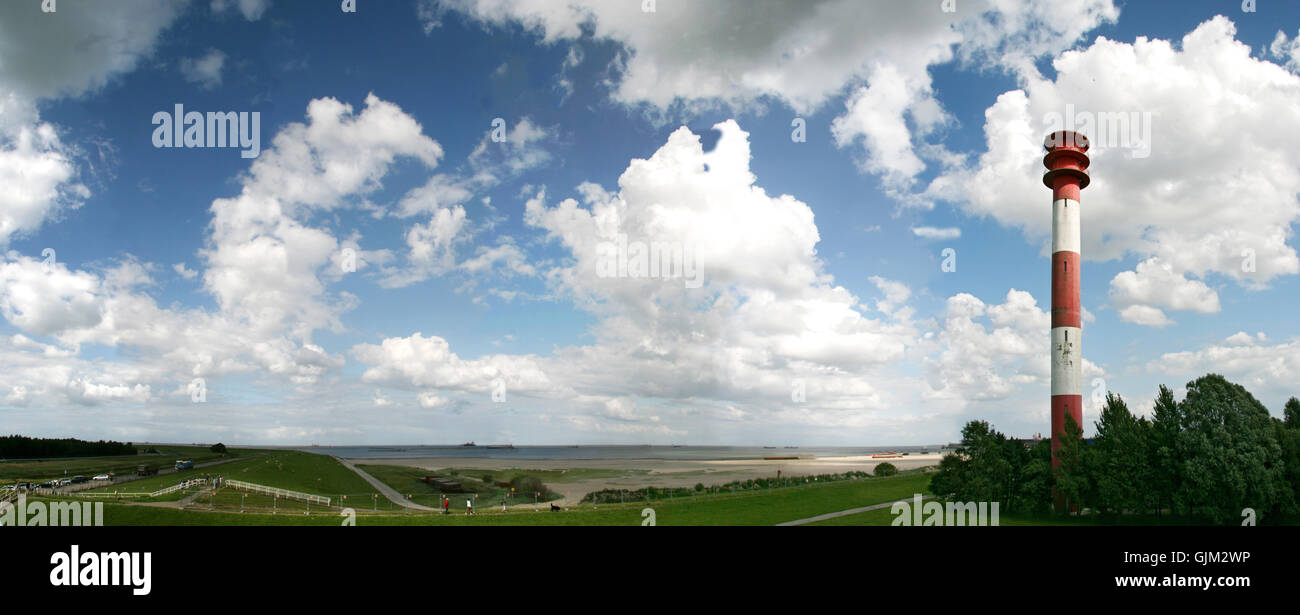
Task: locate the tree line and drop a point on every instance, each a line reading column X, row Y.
column 1205, row 458
column 23, row 447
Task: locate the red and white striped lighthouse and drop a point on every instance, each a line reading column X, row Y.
column 1067, row 173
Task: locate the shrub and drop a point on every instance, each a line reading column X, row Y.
column 528, row 485
column 886, row 469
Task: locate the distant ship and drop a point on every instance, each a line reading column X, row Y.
column 469, row 444
column 510, row 446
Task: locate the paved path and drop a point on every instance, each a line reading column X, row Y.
column 851, row 511
column 388, row 492
column 189, row 499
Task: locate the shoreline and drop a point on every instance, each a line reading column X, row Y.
column 637, row 473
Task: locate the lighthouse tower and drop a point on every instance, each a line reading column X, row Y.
column 1067, row 173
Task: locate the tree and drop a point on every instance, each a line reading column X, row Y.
column 1291, row 413
column 990, row 472
column 17, row 447
column 950, row 480
column 1121, row 470
column 1034, row 491
column 1073, row 479
column 1166, row 471
column 1148, row 498
column 1289, row 441
column 1230, row 457
column 885, row 469
column 987, row 467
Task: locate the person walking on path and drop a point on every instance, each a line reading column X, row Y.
column 446, row 505
column 469, row 507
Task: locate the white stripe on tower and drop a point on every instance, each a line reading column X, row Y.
column 1065, row 226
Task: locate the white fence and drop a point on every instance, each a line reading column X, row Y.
column 193, row 482
column 114, row 494
column 284, row 493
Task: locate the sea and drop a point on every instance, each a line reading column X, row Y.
column 609, row 451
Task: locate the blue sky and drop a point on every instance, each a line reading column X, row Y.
column 476, row 310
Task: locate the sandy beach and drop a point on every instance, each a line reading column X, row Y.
column 636, row 473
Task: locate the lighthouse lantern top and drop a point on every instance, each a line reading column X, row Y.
column 1066, row 158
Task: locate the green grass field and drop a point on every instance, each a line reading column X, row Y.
column 322, row 475
column 764, row 507
column 292, row 470
column 306, row 472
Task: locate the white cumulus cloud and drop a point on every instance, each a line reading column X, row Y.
column 1215, row 195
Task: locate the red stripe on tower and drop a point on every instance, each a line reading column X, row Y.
column 1067, row 173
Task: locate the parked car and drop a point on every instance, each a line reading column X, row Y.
column 49, row 484
column 102, row 477
column 184, row 464
column 145, row 469
column 78, row 479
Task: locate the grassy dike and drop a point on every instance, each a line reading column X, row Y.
column 767, row 507
column 293, row 470
column 123, row 465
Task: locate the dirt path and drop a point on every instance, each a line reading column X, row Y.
column 189, row 499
